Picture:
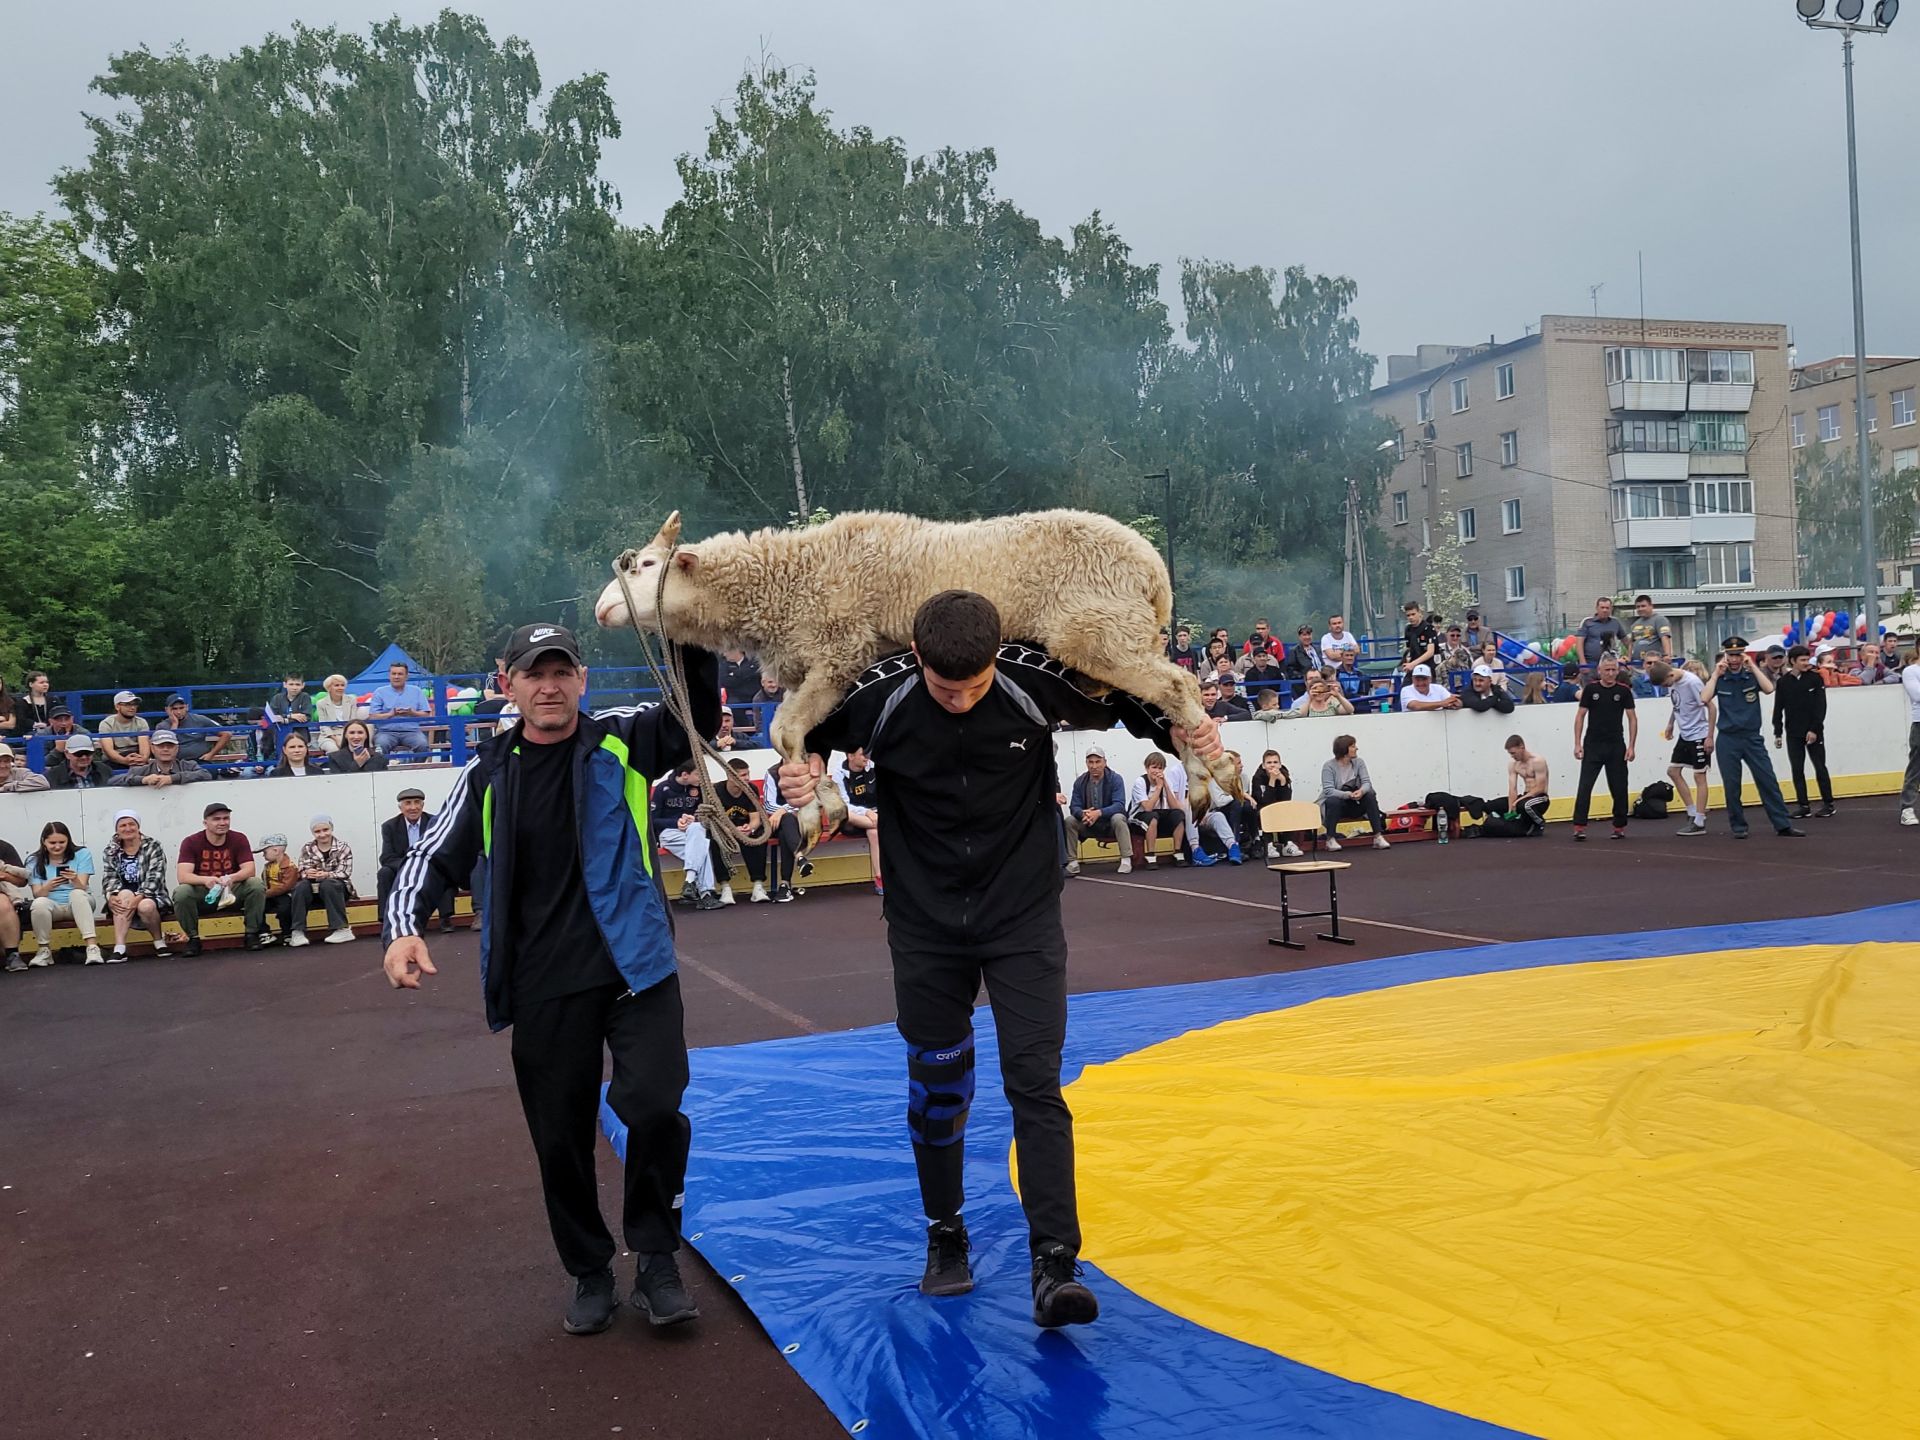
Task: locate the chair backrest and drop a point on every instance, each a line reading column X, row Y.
column 1283, row 816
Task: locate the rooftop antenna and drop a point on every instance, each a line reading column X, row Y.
column 1593, row 294
column 1642, row 256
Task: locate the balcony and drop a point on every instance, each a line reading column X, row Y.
column 1646, row 450
column 1712, row 462
column 1706, row 395
column 1664, row 396
column 1647, row 465
column 1665, row 533
column 1722, row 529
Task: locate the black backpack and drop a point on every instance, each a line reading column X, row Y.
column 1652, row 804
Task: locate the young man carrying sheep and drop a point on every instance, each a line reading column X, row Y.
column 960, row 732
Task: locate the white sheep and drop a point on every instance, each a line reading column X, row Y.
column 820, row 605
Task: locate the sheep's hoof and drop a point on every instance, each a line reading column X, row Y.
column 822, row 815
column 1226, row 776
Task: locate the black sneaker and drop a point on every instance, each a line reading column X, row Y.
column 1618, row 834
column 191, row 948
column 1805, row 812
column 783, row 895
column 15, row 962
column 804, row 869
column 947, row 1270
column 1739, row 834
column 689, row 895
column 1579, row 832
column 259, row 942
column 160, row 950
column 711, row 901
column 594, row 1302
column 1058, row 1296
column 659, row 1291
column 1791, row 832
column 1692, row 827
column 1827, row 812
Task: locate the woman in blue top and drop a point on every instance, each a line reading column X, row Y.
column 60, row 875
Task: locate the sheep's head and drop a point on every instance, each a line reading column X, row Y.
column 641, row 568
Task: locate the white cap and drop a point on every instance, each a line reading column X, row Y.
column 1486, row 670
column 1093, row 750
column 6, row 751
column 126, row 697
column 120, row 815
column 1423, row 670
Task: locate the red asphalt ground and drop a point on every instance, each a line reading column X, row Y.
column 267, row 1196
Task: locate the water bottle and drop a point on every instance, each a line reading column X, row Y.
column 1440, row 826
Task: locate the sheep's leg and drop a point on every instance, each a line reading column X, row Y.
column 804, row 708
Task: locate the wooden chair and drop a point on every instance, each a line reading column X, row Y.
column 1288, row 815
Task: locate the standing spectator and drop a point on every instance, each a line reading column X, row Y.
column 1527, row 798
column 684, row 837
column 290, row 704
column 1420, row 693
column 75, row 768
column 13, row 895
column 1337, row 642
column 296, row 757
column 1605, row 731
column 33, row 708
column 60, row 877
column 1649, row 636
column 1482, row 694
column 1800, row 716
column 399, row 838
column 123, row 734
column 1346, row 793
column 1774, row 663
column 16, row 779
column 1262, row 637
column 1305, row 657
column 216, row 870
column 1271, row 784
column 10, row 713
column 1183, row 653
column 1266, row 705
column 333, row 708
column 1476, row 636
column 1692, row 721
column 165, row 768
column 1601, row 634
column 280, row 875
column 133, row 881
column 859, row 783
column 739, row 682
column 201, row 738
column 356, row 755
column 1738, row 686
column 392, row 707
column 1420, row 644
column 1098, row 806
column 325, row 869
column 1455, row 656
column 765, row 700
column 1910, row 786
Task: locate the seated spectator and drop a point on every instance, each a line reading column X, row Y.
column 1305, row 657
column 1831, row 675
column 133, row 880
column 739, row 683
column 1266, row 705
column 1527, row 798
column 756, row 836
column 62, row 728
column 122, row 735
column 786, row 831
column 1535, row 692
column 1319, row 700
column 1421, row 694
column 1097, row 806
column 1183, row 651
column 1159, row 797
column 332, row 710
column 1217, row 649
column 1262, row 638
column 356, row 755
column 726, row 739
column 216, row 870
column 14, row 897
column 1272, row 783
column 398, row 837
column 74, row 767
column 1455, row 657
column 765, row 700
column 1262, row 667
column 290, row 704
column 1346, row 793
column 1567, row 690
column 33, row 707
column 165, row 768
column 201, row 737
column 1489, row 656
column 16, row 778
column 1217, row 704
column 280, row 875
column 296, row 759
column 1482, row 694
column 325, row 869
column 396, row 709
column 60, row 880
column 675, row 800
column 1477, row 636
column 859, row 784
column 1337, row 642
column 1350, row 677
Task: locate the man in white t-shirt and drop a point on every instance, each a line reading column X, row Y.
column 1692, row 723
column 1337, row 642
column 1159, row 798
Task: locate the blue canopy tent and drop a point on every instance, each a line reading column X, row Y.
column 376, row 672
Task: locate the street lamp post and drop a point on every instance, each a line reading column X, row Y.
column 1173, row 587
column 1849, row 24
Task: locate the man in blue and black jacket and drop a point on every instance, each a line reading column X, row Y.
column 577, row 952
column 1098, row 806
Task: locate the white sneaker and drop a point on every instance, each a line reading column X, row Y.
column 1380, row 843
column 1330, row 843
column 343, row 936
column 1907, row 817
column 1290, row 850
column 1073, row 867
column 296, row 940
column 1126, row 865
column 42, row 958
column 759, row 896
column 94, row 957
column 726, row 894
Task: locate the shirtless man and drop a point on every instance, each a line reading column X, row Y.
column 1527, row 785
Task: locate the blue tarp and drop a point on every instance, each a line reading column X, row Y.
column 376, row 672
column 801, row 1193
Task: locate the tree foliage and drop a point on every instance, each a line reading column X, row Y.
column 1826, row 491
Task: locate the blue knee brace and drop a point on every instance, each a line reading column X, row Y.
column 939, row 1092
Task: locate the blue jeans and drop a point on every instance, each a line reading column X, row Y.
column 1731, row 747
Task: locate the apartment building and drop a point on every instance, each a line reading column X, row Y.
column 1595, row 456
column 1821, row 409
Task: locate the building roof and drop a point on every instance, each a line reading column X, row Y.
column 1473, row 355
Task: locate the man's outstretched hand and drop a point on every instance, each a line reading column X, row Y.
column 407, row 960
column 797, row 780
column 1204, row 738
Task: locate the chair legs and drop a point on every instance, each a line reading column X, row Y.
column 1288, row 915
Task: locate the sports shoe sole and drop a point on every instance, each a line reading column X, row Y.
column 1070, row 1308
column 692, row 1312
column 951, row 1287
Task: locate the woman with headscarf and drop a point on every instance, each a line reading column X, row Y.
column 134, row 879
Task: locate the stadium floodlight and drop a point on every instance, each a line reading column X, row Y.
column 1849, row 10
column 1810, row 9
column 1884, row 12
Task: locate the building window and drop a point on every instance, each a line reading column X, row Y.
column 1399, row 446
column 1799, row 430
column 1472, row 582
column 1829, row 422
column 1725, row 564
column 1720, row 367
column 1628, row 362
column 1510, row 447
column 1426, row 536
column 1723, row 497
column 1717, row 434
column 1463, row 460
column 1469, row 530
column 1656, row 570
column 1399, row 507
column 1651, row 502
column 1503, row 382
column 1873, row 414
column 1423, row 407
column 1509, row 517
column 1906, row 460
column 1903, row 407
column 1646, row 437
column 1516, row 582
column 1459, row 394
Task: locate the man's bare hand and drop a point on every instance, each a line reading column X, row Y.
column 407, row 960
column 797, row 780
column 1204, row 738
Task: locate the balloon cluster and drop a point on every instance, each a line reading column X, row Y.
column 1831, row 625
column 1566, row 649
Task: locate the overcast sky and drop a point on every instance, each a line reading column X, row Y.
column 1471, row 165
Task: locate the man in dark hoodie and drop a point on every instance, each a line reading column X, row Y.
column 1800, row 718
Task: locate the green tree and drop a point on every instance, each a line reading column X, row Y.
column 1826, row 492
column 1445, row 580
